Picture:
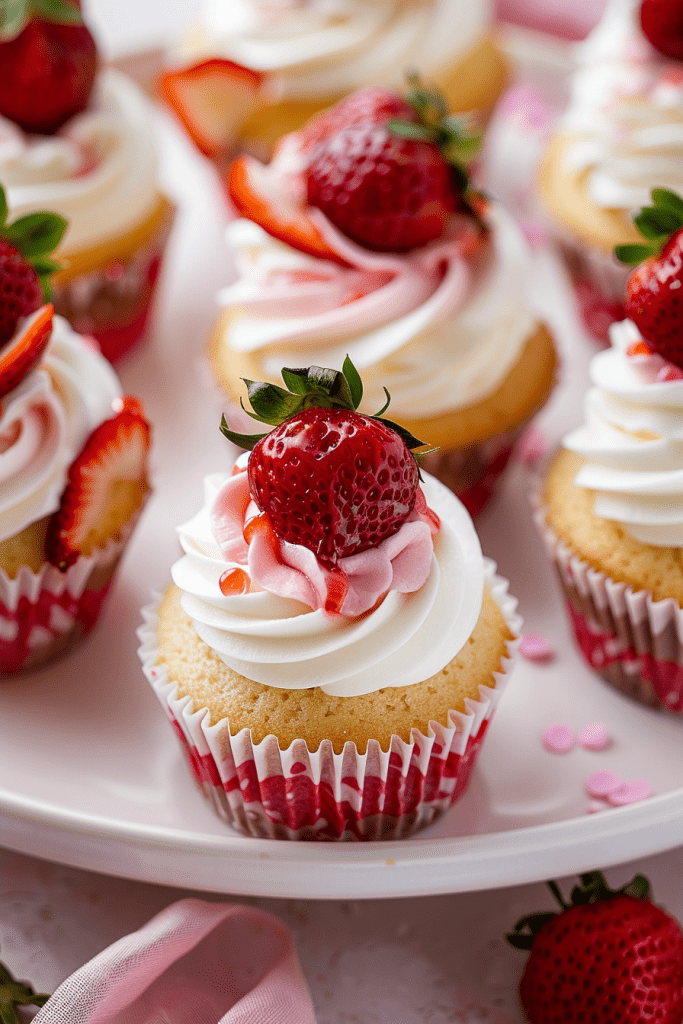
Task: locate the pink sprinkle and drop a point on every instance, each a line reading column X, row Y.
column 594, row 737
column 603, row 784
column 595, row 806
column 558, row 738
column 532, row 446
column 535, row 647
column 629, row 792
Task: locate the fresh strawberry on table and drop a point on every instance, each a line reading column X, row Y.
column 654, row 291
column 608, row 957
column 662, row 23
column 106, row 487
column 327, row 477
column 48, row 62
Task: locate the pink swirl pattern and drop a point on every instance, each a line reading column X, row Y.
column 401, row 562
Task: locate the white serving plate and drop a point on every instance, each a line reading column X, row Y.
column 91, row 774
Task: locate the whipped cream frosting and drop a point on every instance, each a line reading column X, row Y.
column 44, row 423
column 439, row 330
column 632, row 441
column 280, row 641
column 323, row 48
column 627, row 109
column 99, row 171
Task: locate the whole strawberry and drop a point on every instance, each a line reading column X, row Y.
column 25, row 264
column 48, row 62
column 391, row 183
column 654, row 298
column 328, row 478
column 609, row 957
column 662, row 23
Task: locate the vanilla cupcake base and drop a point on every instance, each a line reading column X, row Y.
column 106, row 292
column 629, row 633
column 294, row 789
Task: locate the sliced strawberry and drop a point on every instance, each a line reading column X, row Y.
column 106, row 487
column 248, row 186
column 212, row 99
column 22, row 352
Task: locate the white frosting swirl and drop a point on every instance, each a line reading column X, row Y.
column 324, row 48
column 282, row 643
column 44, row 423
column 627, row 109
column 632, row 441
column 99, row 171
column 439, row 331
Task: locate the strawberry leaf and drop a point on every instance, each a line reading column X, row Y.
column 35, row 234
column 409, row 130
column 3, row 208
column 384, row 408
column 354, row 382
column 270, row 403
column 635, row 252
column 57, row 11
column 527, row 928
column 639, row 888
column 410, row 440
column 668, row 200
column 16, row 993
column 246, row 441
column 14, row 17
column 656, row 223
column 296, row 380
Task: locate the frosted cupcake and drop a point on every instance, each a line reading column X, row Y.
column 621, row 136
column 357, row 240
column 333, row 644
column 81, row 143
column 253, row 70
column 613, row 499
column 72, row 464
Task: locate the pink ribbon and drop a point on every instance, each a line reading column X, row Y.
column 194, row 963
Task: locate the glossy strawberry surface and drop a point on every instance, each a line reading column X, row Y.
column 608, row 962
column 20, row 291
column 333, row 481
column 662, row 23
column 371, row 106
column 387, row 193
column 46, row 75
column 654, row 300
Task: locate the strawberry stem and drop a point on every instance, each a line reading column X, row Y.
column 656, row 223
column 16, row 993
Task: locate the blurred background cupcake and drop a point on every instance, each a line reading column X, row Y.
column 80, row 141
column 333, row 644
column 73, row 457
column 612, row 504
column 357, row 240
column 622, row 136
column 253, row 70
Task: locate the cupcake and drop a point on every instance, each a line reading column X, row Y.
column 357, row 239
column 621, row 136
column 72, row 465
column 80, row 142
column 333, row 644
column 612, row 504
column 252, row 71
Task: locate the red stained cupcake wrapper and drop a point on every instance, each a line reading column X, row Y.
column 113, row 304
column 600, row 285
column 266, row 792
column 632, row 641
column 42, row 614
column 473, row 473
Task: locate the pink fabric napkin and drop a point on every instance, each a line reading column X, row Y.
column 194, row 963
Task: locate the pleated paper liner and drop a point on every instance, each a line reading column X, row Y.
column 632, row 641
column 296, row 793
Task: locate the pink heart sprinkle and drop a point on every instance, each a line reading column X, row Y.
column 535, row 647
column 603, row 783
column 594, row 737
column 558, row 738
column 629, row 792
column 532, row 446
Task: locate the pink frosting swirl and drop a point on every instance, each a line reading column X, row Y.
column 401, row 562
